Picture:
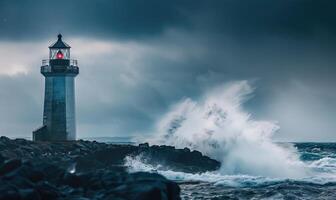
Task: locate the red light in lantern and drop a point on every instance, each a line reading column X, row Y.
column 59, row 55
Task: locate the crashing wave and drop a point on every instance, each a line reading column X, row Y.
column 218, row 126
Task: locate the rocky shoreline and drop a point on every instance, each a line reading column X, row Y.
column 91, row 170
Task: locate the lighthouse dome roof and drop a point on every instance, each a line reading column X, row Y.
column 59, row 44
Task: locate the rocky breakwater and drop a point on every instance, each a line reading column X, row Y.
column 90, row 170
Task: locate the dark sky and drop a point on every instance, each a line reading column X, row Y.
column 138, row 58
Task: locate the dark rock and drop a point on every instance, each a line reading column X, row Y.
column 186, row 150
column 2, row 159
column 166, row 157
column 8, row 193
column 32, row 174
column 47, row 191
column 144, row 192
column 144, row 145
column 19, row 181
column 93, row 155
column 9, row 166
column 196, row 153
column 73, row 180
column 51, row 172
column 29, row 194
column 91, row 170
column 144, row 186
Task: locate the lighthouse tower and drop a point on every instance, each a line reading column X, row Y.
column 59, row 121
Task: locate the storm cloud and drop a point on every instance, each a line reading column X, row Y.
column 138, row 58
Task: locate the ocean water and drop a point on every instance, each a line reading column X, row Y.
column 253, row 165
column 319, row 160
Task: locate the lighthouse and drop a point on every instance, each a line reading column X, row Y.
column 59, row 119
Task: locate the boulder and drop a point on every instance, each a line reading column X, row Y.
column 29, row 194
column 9, row 166
column 91, row 170
column 9, row 192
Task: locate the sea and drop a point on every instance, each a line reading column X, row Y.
column 319, row 182
column 253, row 164
column 319, row 158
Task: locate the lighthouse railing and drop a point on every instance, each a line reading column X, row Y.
column 45, row 62
column 72, row 62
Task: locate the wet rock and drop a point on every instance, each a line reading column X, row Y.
column 51, row 172
column 29, row 194
column 8, row 192
column 47, row 191
column 73, row 180
column 30, row 173
column 9, row 166
column 19, row 181
column 92, row 155
column 167, row 157
column 147, row 186
column 144, row 145
column 91, row 170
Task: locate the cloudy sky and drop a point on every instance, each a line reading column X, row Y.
column 139, row 57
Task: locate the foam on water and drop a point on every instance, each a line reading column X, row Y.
column 319, row 174
column 218, row 126
column 135, row 164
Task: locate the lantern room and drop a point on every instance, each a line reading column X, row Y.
column 59, row 50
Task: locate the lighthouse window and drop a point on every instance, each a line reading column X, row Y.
column 59, row 55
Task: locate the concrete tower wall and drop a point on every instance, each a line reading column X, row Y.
column 70, row 108
column 59, row 107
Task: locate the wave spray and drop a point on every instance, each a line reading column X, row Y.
column 218, row 126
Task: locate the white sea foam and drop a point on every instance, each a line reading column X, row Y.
column 218, row 126
column 136, row 164
column 324, row 170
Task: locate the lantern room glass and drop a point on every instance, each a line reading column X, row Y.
column 53, row 53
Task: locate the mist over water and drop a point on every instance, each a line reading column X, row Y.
column 253, row 166
column 218, row 126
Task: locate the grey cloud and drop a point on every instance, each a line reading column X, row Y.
column 20, row 107
column 36, row 18
column 165, row 51
column 147, row 18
